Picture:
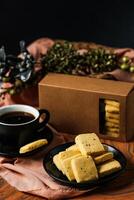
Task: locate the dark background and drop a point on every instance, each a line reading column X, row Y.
column 109, row 22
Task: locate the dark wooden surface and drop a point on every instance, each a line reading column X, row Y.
column 120, row 189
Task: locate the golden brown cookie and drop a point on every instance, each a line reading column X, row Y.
column 111, row 109
column 112, row 129
column 111, row 125
column 89, row 144
column 115, row 121
column 67, row 168
column 84, row 169
column 104, row 157
column 108, row 168
column 57, row 162
column 112, row 134
column 112, row 115
column 73, row 147
column 33, row 145
column 112, row 103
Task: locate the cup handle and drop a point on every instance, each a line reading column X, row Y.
column 45, row 120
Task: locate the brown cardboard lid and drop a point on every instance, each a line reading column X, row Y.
column 87, row 84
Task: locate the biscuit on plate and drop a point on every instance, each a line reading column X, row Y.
column 57, row 162
column 67, row 168
column 66, row 154
column 89, row 144
column 84, row 169
column 104, row 157
column 69, row 153
column 108, row 167
column 73, row 147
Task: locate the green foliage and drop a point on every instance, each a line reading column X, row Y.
column 62, row 58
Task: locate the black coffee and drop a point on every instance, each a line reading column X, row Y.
column 16, row 117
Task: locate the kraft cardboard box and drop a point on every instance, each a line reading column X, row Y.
column 77, row 105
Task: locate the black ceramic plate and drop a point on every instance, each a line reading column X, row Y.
column 52, row 170
column 45, row 133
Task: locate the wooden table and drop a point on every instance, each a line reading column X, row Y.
column 120, row 189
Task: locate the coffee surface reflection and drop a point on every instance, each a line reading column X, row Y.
column 16, row 117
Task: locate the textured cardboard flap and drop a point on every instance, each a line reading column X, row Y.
column 88, row 84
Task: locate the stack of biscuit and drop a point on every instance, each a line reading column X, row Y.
column 112, row 117
column 86, row 160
